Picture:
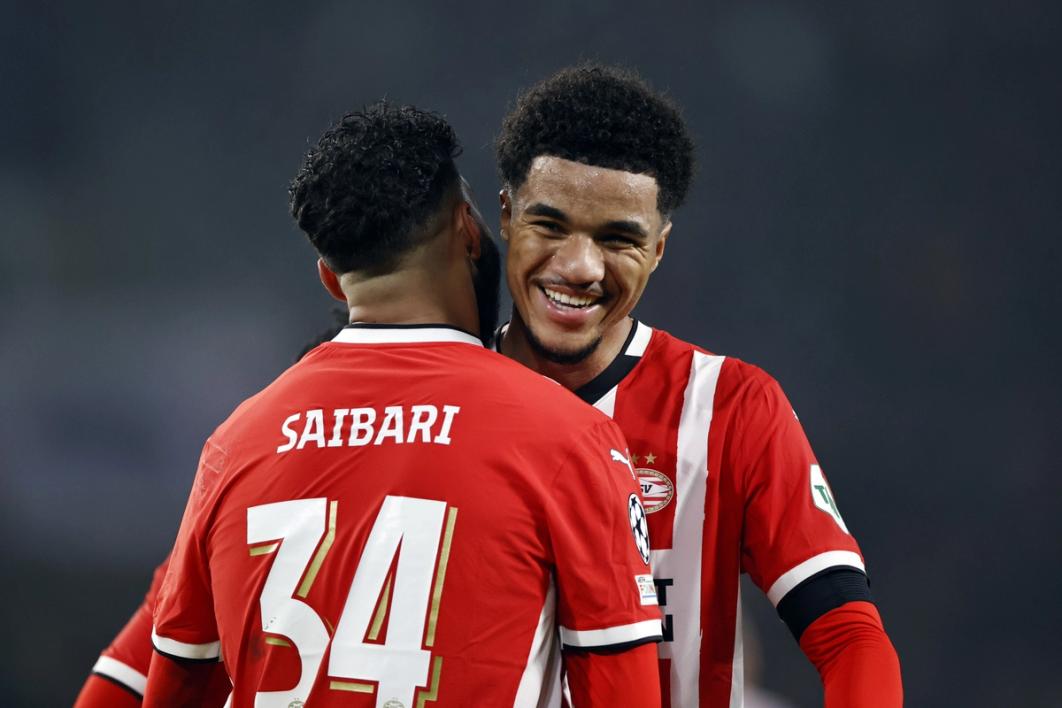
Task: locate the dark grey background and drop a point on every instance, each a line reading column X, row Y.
column 875, row 221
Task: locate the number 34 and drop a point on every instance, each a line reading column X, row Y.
column 400, row 665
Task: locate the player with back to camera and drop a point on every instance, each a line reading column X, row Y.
column 398, row 518
column 593, row 164
column 730, row 482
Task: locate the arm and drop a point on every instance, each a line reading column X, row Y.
column 799, row 549
column 614, row 678
column 854, row 657
column 120, row 675
column 100, row 692
column 607, row 611
column 173, row 683
column 185, row 665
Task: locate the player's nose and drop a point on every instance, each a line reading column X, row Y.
column 580, row 260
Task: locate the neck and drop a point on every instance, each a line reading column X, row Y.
column 516, row 345
column 414, row 293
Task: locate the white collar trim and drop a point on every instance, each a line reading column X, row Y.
column 367, row 334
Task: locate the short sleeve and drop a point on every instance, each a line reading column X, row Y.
column 600, row 540
column 793, row 527
column 128, row 657
column 184, row 624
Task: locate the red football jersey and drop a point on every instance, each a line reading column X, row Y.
column 730, row 485
column 403, row 517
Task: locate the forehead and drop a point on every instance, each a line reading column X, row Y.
column 589, row 192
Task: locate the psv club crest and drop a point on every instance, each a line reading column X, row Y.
column 657, row 489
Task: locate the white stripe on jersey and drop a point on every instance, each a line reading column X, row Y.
column 608, row 636
column 540, row 683
column 683, row 561
column 183, row 650
column 640, row 340
column 607, row 403
column 121, row 672
column 403, row 335
column 737, row 671
column 793, row 577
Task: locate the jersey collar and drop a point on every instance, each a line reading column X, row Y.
column 365, row 333
column 617, row 370
column 629, row 356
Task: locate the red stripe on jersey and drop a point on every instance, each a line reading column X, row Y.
column 647, row 410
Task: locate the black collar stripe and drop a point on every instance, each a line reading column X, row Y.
column 632, row 351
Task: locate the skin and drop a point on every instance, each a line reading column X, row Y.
column 432, row 284
column 581, row 231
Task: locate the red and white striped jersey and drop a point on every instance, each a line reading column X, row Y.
column 404, row 516
column 730, row 485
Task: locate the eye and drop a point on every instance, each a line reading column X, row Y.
column 619, row 241
column 551, row 226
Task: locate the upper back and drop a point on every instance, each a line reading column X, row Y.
column 411, row 489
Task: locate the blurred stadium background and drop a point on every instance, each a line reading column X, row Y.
column 875, row 221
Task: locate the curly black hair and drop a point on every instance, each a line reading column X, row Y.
column 603, row 116
column 367, row 190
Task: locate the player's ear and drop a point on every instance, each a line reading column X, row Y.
column 661, row 244
column 468, row 227
column 330, row 281
column 506, row 212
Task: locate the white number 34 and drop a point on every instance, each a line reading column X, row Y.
column 400, row 666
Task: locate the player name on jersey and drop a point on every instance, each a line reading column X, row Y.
column 356, row 427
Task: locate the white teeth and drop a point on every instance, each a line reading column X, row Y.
column 569, row 300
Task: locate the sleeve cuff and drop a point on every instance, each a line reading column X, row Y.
column 617, row 637
column 816, row 564
column 182, row 651
column 121, row 673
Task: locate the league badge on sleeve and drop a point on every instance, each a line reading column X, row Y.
column 639, row 527
column 823, row 497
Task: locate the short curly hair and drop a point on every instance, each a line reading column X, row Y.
column 366, row 192
column 603, row 116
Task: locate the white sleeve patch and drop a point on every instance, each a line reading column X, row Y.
column 646, row 589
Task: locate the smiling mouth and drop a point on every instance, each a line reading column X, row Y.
column 574, row 302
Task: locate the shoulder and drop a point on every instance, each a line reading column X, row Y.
column 545, row 401
column 734, row 380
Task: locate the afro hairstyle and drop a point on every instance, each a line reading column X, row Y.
column 602, row 116
column 367, row 191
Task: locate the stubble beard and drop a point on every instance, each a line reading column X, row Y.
column 560, row 357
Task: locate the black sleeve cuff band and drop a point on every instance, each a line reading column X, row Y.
column 822, row 592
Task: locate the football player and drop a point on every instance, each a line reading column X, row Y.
column 355, row 532
column 593, row 164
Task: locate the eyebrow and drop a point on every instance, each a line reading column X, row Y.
column 625, row 225
column 540, row 209
column 631, row 227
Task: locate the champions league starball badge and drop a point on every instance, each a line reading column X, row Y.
column 639, row 527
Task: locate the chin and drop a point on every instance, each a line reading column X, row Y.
column 565, row 352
